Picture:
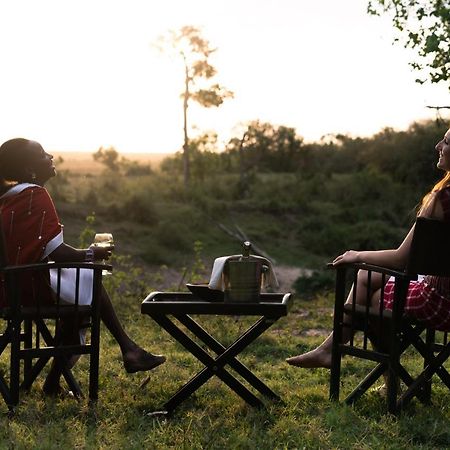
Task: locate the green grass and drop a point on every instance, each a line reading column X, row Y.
column 215, row 417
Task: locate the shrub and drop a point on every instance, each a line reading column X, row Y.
column 141, row 209
column 317, row 283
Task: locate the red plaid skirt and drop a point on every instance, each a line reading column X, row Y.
column 422, row 303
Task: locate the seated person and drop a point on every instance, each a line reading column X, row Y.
column 33, row 234
column 428, row 299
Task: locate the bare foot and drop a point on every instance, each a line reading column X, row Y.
column 312, row 359
column 139, row 360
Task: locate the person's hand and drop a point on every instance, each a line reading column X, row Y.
column 102, row 253
column 350, row 256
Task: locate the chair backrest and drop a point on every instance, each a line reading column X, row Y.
column 3, row 256
column 430, row 248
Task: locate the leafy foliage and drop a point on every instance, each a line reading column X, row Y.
column 425, row 25
column 303, row 203
column 128, row 279
column 112, row 160
column 195, row 52
column 316, row 283
column 87, row 234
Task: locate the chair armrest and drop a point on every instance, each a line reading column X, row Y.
column 374, row 268
column 56, row 265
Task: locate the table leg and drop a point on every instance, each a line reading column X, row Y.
column 202, row 377
column 213, row 366
column 218, row 348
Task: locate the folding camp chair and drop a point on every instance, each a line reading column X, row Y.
column 391, row 331
column 32, row 331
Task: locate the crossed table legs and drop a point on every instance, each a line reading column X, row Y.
column 216, row 366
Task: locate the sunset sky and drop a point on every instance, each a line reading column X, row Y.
column 81, row 74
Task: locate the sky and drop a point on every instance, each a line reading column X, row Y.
column 80, row 74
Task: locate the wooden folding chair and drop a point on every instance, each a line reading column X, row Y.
column 391, row 331
column 33, row 332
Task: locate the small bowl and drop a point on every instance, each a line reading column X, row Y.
column 203, row 292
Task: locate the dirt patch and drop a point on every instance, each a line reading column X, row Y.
column 311, row 332
column 288, row 275
column 301, row 313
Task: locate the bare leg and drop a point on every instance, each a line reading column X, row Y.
column 135, row 358
column 69, row 336
column 321, row 356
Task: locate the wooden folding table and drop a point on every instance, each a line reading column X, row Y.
column 172, row 309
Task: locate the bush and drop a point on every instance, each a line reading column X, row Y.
column 318, row 283
column 173, row 236
column 140, row 209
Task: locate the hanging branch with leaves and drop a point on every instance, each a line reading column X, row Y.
column 425, row 26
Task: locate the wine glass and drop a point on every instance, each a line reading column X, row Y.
column 104, row 240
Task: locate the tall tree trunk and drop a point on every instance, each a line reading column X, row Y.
column 241, row 159
column 186, row 168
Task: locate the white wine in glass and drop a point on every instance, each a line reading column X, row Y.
column 104, row 240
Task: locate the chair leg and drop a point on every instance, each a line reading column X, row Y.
column 336, row 354
column 429, row 341
column 28, row 343
column 94, row 361
column 366, row 383
column 14, row 381
column 5, row 340
column 94, row 356
column 31, row 375
column 392, row 390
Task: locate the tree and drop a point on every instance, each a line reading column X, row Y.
column 267, row 148
column 202, row 153
column 195, row 52
column 426, row 28
column 109, row 157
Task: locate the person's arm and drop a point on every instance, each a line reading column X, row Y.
column 394, row 259
column 66, row 253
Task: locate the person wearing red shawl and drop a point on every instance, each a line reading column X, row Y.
column 32, row 233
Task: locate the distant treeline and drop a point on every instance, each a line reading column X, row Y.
column 344, row 192
column 407, row 156
column 302, row 203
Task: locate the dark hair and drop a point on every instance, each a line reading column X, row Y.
column 13, row 154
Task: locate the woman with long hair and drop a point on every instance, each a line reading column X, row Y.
column 428, row 298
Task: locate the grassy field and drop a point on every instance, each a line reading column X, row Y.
column 215, row 417
column 156, row 223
